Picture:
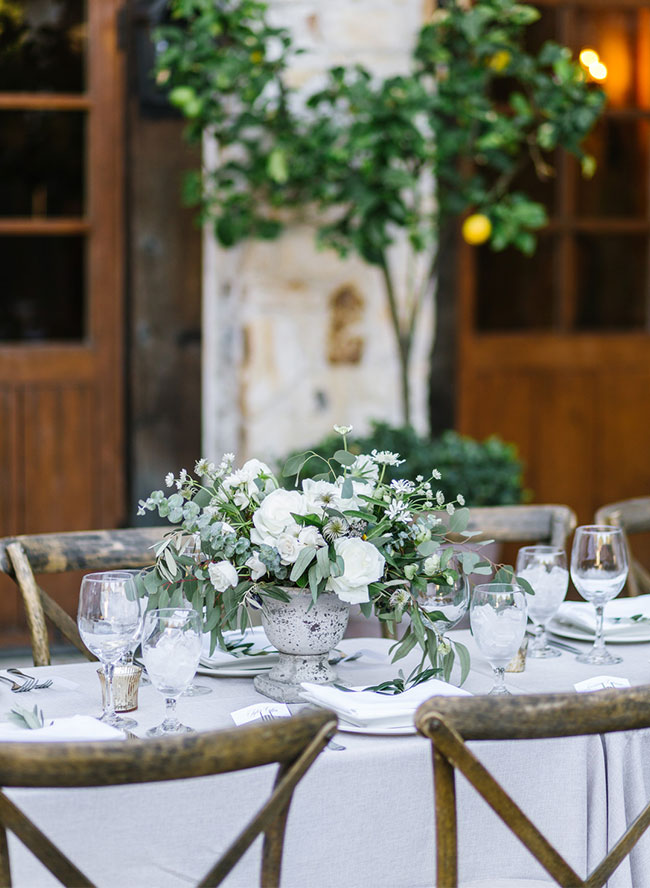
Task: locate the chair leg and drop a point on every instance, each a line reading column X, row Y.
column 274, row 842
column 5, row 871
column 446, row 830
column 32, row 601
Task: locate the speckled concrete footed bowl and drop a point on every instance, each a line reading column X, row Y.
column 304, row 637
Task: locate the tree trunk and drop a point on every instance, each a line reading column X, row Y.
column 442, row 379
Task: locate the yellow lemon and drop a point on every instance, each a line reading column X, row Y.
column 477, row 229
column 499, row 61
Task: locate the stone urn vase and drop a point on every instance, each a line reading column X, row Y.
column 304, row 632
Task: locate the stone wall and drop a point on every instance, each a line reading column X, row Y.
column 295, row 339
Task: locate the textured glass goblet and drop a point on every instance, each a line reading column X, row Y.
column 445, row 605
column 109, row 620
column 498, row 617
column 192, row 548
column 171, row 647
column 599, row 570
column 545, row 568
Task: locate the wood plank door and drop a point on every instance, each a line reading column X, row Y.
column 554, row 351
column 61, row 268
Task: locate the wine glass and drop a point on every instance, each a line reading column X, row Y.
column 498, row 617
column 191, row 547
column 444, row 606
column 171, row 647
column 545, row 568
column 109, row 620
column 599, row 570
column 127, row 658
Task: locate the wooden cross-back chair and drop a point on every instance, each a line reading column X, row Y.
column 449, row 722
column 550, row 524
column 633, row 516
column 293, row 743
column 23, row 557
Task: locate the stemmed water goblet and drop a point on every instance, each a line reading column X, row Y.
column 445, row 605
column 498, row 617
column 127, row 657
column 192, row 548
column 109, row 620
column 599, row 570
column 171, row 647
column 545, row 568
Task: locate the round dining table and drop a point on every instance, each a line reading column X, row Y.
column 363, row 816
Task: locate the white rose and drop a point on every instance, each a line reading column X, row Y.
column 311, row 536
column 222, row 575
column 257, row 567
column 288, row 547
column 363, row 564
column 274, row 516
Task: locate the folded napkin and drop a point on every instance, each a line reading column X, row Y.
column 239, row 658
column 618, row 622
column 77, row 727
column 371, row 709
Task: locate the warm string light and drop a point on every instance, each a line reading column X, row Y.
column 590, row 60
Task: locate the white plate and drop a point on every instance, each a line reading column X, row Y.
column 244, row 666
column 357, row 729
column 566, row 631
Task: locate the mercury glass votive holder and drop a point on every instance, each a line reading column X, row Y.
column 126, row 681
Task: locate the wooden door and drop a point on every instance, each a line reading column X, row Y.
column 61, row 268
column 554, row 351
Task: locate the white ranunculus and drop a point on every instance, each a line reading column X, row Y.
column 274, row 517
column 363, row 564
column 243, row 482
column 222, row 575
column 257, row 567
column 288, row 547
column 311, row 536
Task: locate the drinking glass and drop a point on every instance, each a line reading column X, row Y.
column 109, row 620
column 545, row 568
column 192, row 548
column 498, row 617
column 446, row 605
column 127, row 657
column 171, row 647
column 599, row 570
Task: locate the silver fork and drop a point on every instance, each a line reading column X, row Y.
column 38, row 685
column 268, row 716
column 19, row 688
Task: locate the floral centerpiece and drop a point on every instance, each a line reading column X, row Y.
column 241, row 541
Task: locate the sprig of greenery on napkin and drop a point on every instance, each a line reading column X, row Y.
column 27, row 718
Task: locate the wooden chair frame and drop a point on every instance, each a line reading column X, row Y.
column 293, row 743
column 632, row 516
column 550, row 524
column 22, row 557
column 450, row 722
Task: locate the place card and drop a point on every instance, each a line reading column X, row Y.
column 257, row 710
column 600, row 682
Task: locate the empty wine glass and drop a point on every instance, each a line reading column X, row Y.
column 545, row 568
column 599, row 570
column 127, row 658
column 498, row 617
column 109, row 620
column 445, row 605
column 171, row 647
column 191, row 547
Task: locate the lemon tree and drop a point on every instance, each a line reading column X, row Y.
column 376, row 158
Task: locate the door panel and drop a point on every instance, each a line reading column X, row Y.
column 61, row 249
column 554, row 351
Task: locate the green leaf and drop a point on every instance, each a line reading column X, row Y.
column 323, row 560
column 344, row 457
column 27, row 718
column 525, row 585
column 463, row 658
column 294, row 464
column 277, row 166
column 304, row 559
column 347, row 490
column 404, row 647
column 459, row 521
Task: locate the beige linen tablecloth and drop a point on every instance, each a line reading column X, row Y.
column 362, row 817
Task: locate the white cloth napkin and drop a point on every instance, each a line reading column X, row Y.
column 77, row 727
column 618, row 614
column 239, row 660
column 370, row 709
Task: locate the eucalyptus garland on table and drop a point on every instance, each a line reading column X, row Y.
column 240, row 538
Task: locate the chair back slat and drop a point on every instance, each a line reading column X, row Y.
column 546, row 523
column 23, row 557
column 450, row 722
column 632, row 516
